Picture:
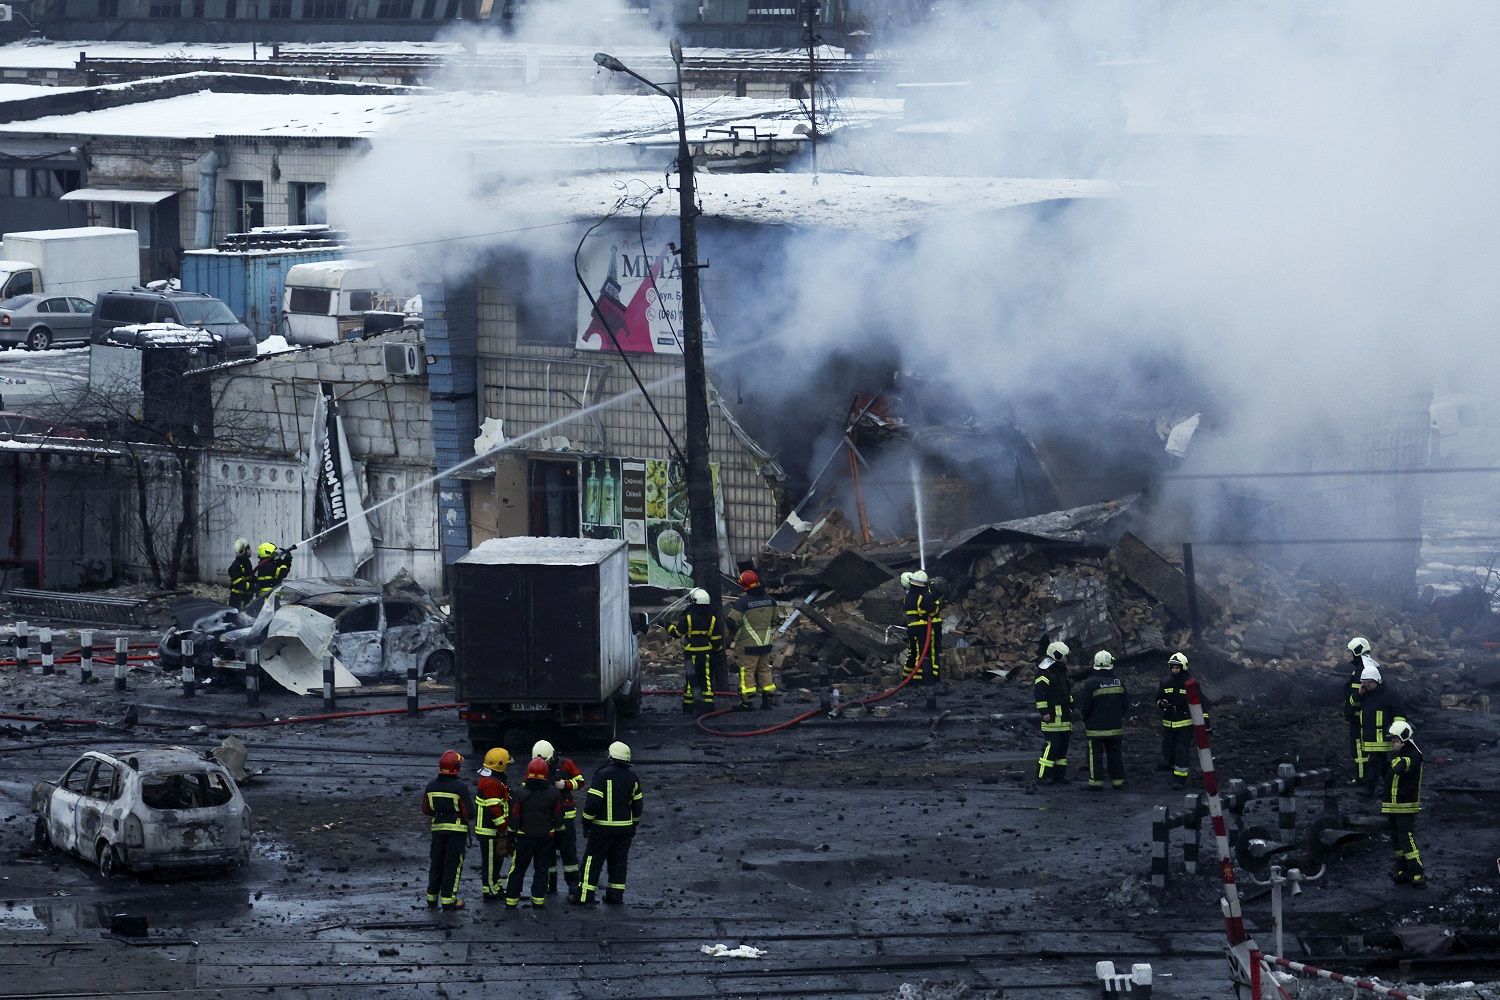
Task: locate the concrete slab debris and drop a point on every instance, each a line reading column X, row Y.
column 1144, row 566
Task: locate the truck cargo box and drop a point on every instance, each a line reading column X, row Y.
column 543, row 620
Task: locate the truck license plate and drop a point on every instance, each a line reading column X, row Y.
column 529, row 706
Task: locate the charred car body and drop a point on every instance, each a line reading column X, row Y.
column 159, row 809
column 373, row 631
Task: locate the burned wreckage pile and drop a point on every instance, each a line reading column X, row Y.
column 1084, row 576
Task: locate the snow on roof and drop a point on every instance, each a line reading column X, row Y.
column 884, row 207
column 531, row 551
column 19, row 91
column 46, row 54
column 486, row 117
column 328, row 273
column 75, row 233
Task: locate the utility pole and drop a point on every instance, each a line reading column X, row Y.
column 703, row 546
column 809, row 18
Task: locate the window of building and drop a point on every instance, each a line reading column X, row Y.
column 109, row 8
column 279, row 10
column 771, row 10
column 165, row 8
column 137, row 217
column 325, row 10
column 231, row 9
column 390, row 9
column 45, row 182
column 553, row 489
column 249, row 201
column 306, row 204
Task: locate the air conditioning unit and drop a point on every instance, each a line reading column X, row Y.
column 405, row 360
column 5, row 12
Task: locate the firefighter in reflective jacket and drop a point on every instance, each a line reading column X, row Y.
column 1402, row 802
column 241, row 576
column 752, row 622
column 611, row 812
column 1176, row 718
column 266, row 570
column 1101, row 704
column 1359, row 652
column 1378, row 707
column 446, row 801
column 924, row 630
column 1054, row 703
column 492, row 822
column 534, row 821
column 702, row 636
column 567, row 779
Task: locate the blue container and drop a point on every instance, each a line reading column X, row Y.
column 249, row 282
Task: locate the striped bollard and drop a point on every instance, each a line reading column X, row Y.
column 85, row 656
column 1194, row 809
column 23, row 649
column 1160, row 837
column 1286, row 803
column 252, row 677
column 328, row 699
column 122, row 663
column 411, row 689
column 48, row 666
column 189, row 675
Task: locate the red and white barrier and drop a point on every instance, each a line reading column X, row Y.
column 1234, row 920
column 1335, row 977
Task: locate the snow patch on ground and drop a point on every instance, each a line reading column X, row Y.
column 274, row 344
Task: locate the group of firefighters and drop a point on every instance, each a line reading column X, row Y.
column 534, row 827
column 248, row 580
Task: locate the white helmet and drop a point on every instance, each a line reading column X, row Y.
column 1177, row 660
column 698, row 595
column 906, row 579
column 1370, row 673
column 1400, row 730
column 620, row 752
column 1104, row 659
column 241, row 545
column 1058, row 650
column 542, row 749
column 919, row 578
column 1359, row 645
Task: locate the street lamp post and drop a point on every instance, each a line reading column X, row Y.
column 704, row 544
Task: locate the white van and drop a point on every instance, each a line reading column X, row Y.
column 325, row 301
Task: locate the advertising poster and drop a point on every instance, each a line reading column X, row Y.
column 640, row 300
column 656, row 521
column 601, row 495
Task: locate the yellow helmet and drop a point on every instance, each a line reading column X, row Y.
column 265, row 549
column 497, row 759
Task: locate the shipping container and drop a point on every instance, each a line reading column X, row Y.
column 250, row 282
column 545, row 636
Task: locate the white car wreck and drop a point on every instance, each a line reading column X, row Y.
column 164, row 808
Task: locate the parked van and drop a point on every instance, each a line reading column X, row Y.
column 326, row 301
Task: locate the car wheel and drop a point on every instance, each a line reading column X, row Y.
column 109, row 861
column 39, row 835
column 39, row 339
column 439, row 665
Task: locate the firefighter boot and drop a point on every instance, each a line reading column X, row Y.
column 614, row 897
column 766, row 701
column 744, row 706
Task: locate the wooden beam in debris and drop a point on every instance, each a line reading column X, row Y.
column 1147, row 569
column 858, row 640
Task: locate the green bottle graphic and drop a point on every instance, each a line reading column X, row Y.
column 591, row 496
column 609, row 499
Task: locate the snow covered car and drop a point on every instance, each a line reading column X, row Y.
column 373, row 631
column 158, row 809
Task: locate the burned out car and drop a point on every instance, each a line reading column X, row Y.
column 158, row 809
column 373, row 631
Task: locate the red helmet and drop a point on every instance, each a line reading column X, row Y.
column 748, row 579
column 450, row 762
column 538, row 769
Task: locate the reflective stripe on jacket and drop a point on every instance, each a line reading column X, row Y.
column 567, row 772
column 755, row 615
column 924, row 606
column 446, row 800
column 1053, row 696
column 491, row 806
column 615, row 798
column 1101, row 703
column 241, row 576
column 698, row 628
column 1404, row 794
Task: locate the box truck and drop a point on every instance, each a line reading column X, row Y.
column 545, row 638
column 81, row 262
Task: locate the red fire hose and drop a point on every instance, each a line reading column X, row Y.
column 803, row 717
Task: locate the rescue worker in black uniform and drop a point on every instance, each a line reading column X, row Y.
column 702, row 635
column 1101, row 704
column 266, row 569
column 534, row 823
column 1054, row 703
column 1402, row 801
column 1359, row 651
column 241, row 576
column 567, row 779
column 924, row 630
column 1378, row 707
column 611, row 812
column 1177, row 718
column 446, row 801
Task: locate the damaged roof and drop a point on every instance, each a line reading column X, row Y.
column 1089, row 525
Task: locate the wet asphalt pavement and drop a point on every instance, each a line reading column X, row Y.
column 859, row 854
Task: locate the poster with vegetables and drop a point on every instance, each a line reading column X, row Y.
column 664, row 549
